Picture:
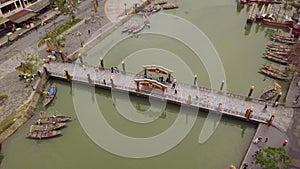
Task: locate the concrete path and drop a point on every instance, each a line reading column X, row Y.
column 293, row 96
column 114, row 9
column 275, row 139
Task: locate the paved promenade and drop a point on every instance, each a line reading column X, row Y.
column 115, row 9
column 232, row 104
column 275, row 139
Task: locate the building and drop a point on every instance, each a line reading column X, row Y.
column 13, row 13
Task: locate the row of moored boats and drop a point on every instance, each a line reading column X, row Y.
column 48, row 127
column 154, row 7
column 278, row 52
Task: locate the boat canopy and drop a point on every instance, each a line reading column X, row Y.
column 51, row 91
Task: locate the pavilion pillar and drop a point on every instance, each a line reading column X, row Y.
column 80, row 58
column 67, row 74
column 169, row 77
column 250, row 91
column 145, row 72
column 137, row 86
column 195, row 80
column 89, row 77
column 45, row 70
column 101, row 63
column 222, row 85
column 123, row 67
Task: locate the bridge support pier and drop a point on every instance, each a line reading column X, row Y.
column 123, row 67
column 278, row 97
column 67, row 74
column 222, row 85
column 137, row 86
column 89, row 78
column 195, row 80
column 112, row 82
column 250, row 92
column 101, row 63
column 80, row 58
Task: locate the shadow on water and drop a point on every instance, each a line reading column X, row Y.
column 239, row 7
column 260, row 27
column 1, row 155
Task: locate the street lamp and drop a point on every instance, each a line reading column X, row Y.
column 125, row 8
column 79, row 36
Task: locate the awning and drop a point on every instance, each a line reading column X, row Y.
column 3, row 20
column 21, row 16
column 39, row 5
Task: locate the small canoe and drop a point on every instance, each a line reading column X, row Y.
column 273, row 74
column 169, row 6
column 47, row 127
column 138, row 29
column 276, row 58
column 43, row 134
column 160, row 2
column 50, row 94
column 270, row 93
column 56, row 119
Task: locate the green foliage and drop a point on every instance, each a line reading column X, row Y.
column 273, row 158
column 59, row 30
column 29, row 62
column 11, row 118
column 3, row 98
column 67, row 6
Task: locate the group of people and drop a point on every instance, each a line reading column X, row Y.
column 259, row 139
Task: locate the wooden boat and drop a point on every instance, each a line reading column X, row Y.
column 52, row 119
column 274, row 72
column 138, row 29
column 278, row 49
column 252, row 14
column 281, row 39
column 265, row 2
column 153, row 9
column 169, row 6
column 50, row 94
column 43, row 134
column 270, row 93
column 262, row 11
column 132, row 28
column 276, row 58
column 125, row 29
column 296, row 31
column 277, row 23
column 160, row 2
column 230, row 167
column 47, row 127
column 281, row 53
column 278, row 45
column 285, row 36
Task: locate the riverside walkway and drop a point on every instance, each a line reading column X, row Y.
column 187, row 94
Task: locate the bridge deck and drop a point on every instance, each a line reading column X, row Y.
column 232, row 104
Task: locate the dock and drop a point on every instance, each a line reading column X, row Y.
column 228, row 104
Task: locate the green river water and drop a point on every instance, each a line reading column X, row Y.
column 240, row 52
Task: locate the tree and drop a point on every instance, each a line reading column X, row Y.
column 273, row 158
column 29, row 63
column 67, row 6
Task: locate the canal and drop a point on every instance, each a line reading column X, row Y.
column 240, row 52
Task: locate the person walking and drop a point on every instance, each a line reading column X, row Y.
column 284, row 143
column 175, row 91
column 266, row 140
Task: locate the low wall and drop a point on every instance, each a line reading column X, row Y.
column 29, row 111
column 74, row 56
